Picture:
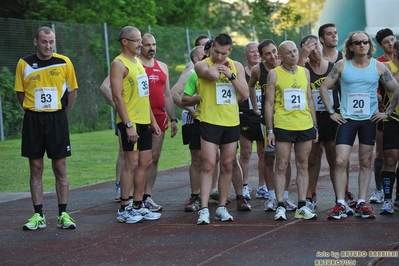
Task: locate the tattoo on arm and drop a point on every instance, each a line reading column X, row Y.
column 387, row 76
column 333, row 73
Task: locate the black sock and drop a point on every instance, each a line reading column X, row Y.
column 280, row 204
column 239, row 197
column 39, row 209
column 388, row 178
column 145, row 196
column 61, row 208
column 244, row 185
column 310, row 199
column 137, row 204
column 194, row 196
column 123, row 207
column 378, row 163
column 301, row 204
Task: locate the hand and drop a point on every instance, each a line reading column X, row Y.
column 271, row 141
column 337, row 118
column 173, row 130
column 132, row 135
column 257, row 112
column 377, row 117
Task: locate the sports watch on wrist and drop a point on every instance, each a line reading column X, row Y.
column 233, row 76
column 331, row 111
column 174, row 119
column 129, row 124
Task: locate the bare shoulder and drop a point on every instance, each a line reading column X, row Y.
column 163, row 66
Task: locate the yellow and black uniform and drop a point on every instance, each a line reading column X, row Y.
column 45, row 85
column 135, row 95
column 291, row 109
column 219, row 108
column 218, row 99
column 391, row 124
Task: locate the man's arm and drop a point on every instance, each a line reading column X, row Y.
column 71, row 100
column 240, row 83
column 170, row 108
column 329, row 81
column 255, row 74
column 311, row 105
column 204, row 71
column 269, row 106
column 106, row 91
column 390, row 84
column 20, row 97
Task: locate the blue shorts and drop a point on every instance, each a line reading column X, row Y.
column 364, row 129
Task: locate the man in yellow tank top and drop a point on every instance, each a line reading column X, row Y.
column 290, row 118
column 221, row 81
column 130, row 93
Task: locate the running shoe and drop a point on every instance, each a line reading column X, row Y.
column 348, row 210
column 338, row 212
column 151, row 205
column 243, row 205
column 214, row 198
column 280, row 214
column 203, row 216
column 246, row 192
column 305, row 213
column 223, row 215
column 36, row 221
column 129, row 216
column 65, row 221
column 387, row 207
column 289, row 205
column 191, row 205
column 271, row 204
column 148, row 215
column 310, row 205
column 350, row 199
column 364, row 211
column 377, row 197
column 117, row 197
column 262, row 193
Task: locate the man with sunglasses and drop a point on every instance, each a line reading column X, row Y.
column 359, row 74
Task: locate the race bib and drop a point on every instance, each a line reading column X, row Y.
column 46, row 98
column 358, row 104
column 318, row 103
column 258, row 100
column 294, row 99
column 225, row 94
column 142, row 81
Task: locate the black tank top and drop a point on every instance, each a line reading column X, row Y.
column 245, row 113
column 316, row 81
column 262, row 83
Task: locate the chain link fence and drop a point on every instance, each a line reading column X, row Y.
column 91, row 48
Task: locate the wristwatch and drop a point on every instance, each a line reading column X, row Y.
column 174, row 119
column 331, row 111
column 233, row 76
column 129, row 124
column 270, row 131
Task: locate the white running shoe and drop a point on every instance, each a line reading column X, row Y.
column 223, row 215
column 377, row 197
column 246, row 192
column 271, row 204
column 203, row 216
column 262, row 193
column 129, row 216
column 280, row 214
column 305, row 213
column 387, row 207
column 151, row 205
column 148, row 215
column 289, row 205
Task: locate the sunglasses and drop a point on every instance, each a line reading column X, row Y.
column 359, row 42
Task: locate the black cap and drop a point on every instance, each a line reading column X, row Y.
column 208, row 44
column 381, row 34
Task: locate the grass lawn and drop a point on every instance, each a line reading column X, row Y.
column 92, row 161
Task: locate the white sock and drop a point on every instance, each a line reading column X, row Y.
column 285, row 194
